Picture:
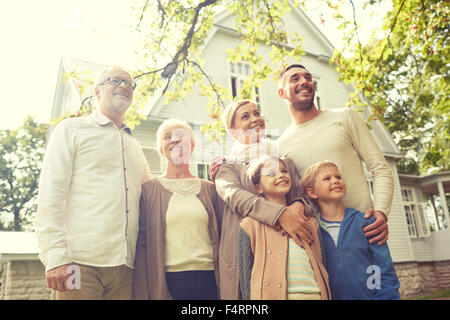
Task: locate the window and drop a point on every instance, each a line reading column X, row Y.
column 370, row 184
column 416, row 218
column 317, row 94
column 239, row 72
column 423, row 220
column 202, row 171
column 153, row 160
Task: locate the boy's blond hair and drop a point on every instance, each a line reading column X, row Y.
column 309, row 177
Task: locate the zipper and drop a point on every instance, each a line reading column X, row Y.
column 336, row 247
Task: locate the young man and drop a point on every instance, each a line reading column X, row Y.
column 339, row 136
column 357, row 269
column 88, row 204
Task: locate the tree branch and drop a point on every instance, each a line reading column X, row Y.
column 357, row 37
column 142, row 15
column 380, row 58
column 219, row 98
column 147, row 73
column 188, row 39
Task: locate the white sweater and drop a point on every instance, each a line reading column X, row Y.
column 342, row 137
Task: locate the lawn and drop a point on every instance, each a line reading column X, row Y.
column 433, row 295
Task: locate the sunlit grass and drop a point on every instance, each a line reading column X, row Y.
column 433, row 295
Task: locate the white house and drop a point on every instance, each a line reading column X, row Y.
column 421, row 256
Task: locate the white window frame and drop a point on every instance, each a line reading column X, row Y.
column 422, row 217
column 161, row 168
column 241, row 75
column 416, row 217
column 317, row 99
column 370, row 185
column 202, row 173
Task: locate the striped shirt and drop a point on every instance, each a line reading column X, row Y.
column 300, row 275
column 333, row 228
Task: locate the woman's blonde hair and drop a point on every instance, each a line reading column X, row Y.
column 168, row 123
column 230, row 110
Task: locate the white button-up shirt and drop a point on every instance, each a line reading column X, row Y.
column 90, row 185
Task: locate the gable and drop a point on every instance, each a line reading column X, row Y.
column 295, row 21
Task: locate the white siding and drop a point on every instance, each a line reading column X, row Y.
column 441, row 245
column 294, row 22
column 422, row 248
column 399, row 242
column 145, row 134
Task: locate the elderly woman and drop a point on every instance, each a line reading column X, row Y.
column 245, row 124
column 177, row 248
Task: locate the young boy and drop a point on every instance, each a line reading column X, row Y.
column 271, row 264
column 357, row 270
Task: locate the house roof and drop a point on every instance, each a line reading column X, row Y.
column 18, row 246
column 429, row 182
column 319, row 36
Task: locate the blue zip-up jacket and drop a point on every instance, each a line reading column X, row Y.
column 358, row 270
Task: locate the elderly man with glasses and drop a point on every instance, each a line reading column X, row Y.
column 88, row 203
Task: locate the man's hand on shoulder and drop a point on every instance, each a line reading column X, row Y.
column 379, row 229
column 294, row 222
column 214, row 166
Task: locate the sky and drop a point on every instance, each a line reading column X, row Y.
column 36, row 35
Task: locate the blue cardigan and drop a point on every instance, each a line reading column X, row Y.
column 358, row 270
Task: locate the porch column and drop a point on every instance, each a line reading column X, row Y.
column 443, row 202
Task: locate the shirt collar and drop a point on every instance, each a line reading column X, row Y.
column 103, row 120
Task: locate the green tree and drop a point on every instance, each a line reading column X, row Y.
column 21, row 153
column 402, row 77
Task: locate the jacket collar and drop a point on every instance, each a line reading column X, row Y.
column 103, row 120
column 349, row 212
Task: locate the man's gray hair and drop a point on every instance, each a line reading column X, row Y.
column 101, row 76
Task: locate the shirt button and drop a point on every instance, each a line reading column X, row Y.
column 281, row 251
column 278, row 285
column 268, row 251
column 266, row 284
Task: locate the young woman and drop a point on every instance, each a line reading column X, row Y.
column 246, row 125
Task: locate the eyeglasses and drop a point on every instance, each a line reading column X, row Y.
column 117, row 82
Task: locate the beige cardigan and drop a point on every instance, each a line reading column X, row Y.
column 149, row 274
column 270, row 249
column 235, row 187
